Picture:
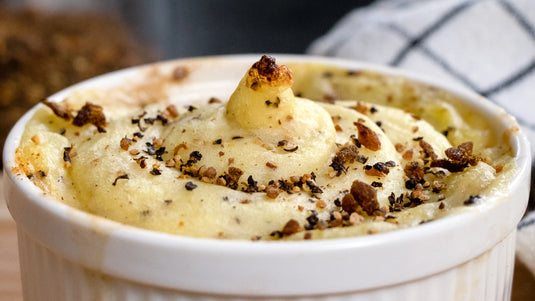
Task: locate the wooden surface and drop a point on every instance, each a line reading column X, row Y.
column 10, row 287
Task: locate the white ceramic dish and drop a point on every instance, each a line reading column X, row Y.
column 67, row 254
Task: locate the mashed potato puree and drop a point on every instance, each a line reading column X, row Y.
column 301, row 151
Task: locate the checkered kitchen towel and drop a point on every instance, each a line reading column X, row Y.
column 486, row 45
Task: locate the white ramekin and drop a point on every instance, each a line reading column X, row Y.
column 67, row 254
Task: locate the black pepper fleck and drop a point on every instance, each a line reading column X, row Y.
column 190, row 186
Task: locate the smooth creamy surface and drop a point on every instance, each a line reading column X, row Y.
column 266, row 164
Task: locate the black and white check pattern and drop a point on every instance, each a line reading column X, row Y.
column 486, row 45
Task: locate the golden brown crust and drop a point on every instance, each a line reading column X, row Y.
column 267, row 72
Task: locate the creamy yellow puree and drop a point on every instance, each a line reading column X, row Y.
column 267, row 164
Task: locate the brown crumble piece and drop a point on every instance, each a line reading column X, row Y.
column 157, row 142
column 499, row 168
column 35, row 139
column 59, row 109
column 361, row 108
column 291, row 227
column 415, row 129
column 171, row 163
column 355, row 219
column 221, row 154
column 372, row 231
column 179, row 147
column 91, row 114
column 438, row 185
column 338, row 128
column 271, row 165
column 336, row 118
column 441, row 206
column 418, row 194
column 168, row 202
column 329, row 97
column 459, row 157
column 207, row 172
column 272, row 191
column 125, row 143
column 415, row 170
column 213, row 100
column 180, row 73
column 367, row 137
column 362, row 197
column 232, row 177
column 307, row 236
column 345, row 155
column 172, row 111
column 246, row 201
column 399, row 147
column 408, row 154
column 428, row 150
column 321, row 204
column 230, row 161
column 336, row 219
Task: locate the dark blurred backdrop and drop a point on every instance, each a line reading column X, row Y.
column 47, row 45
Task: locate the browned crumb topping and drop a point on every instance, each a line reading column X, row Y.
column 399, row 147
column 408, row 154
column 499, row 168
column 291, row 227
column 438, row 185
column 232, row 177
column 272, row 191
column 362, row 198
column 271, row 165
column 91, row 114
column 345, row 155
column 125, row 143
column 60, row 109
column 379, row 169
column 213, row 100
column 415, row 170
column 172, row 111
column 361, row 108
column 459, row 158
column 267, row 72
column 367, row 137
column 428, row 150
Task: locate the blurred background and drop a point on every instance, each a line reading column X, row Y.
column 46, row 45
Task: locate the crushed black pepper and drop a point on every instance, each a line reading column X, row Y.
column 122, row 176
column 155, row 172
column 190, row 186
column 473, row 199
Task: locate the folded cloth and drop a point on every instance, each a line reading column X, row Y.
column 486, row 45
